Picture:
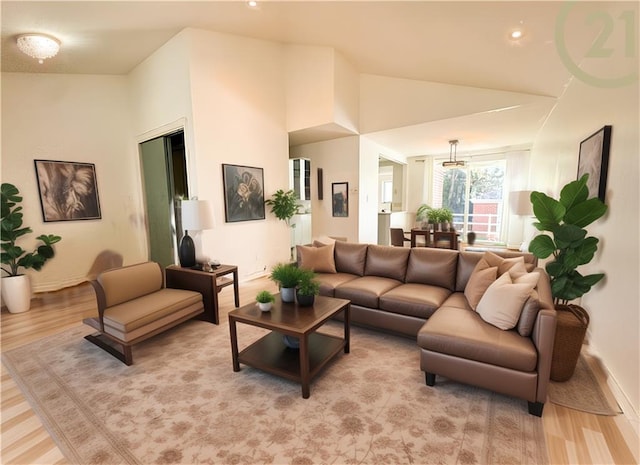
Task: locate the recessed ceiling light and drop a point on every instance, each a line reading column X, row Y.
column 252, row 3
column 516, row 34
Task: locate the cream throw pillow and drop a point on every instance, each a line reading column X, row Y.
column 318, row 259
column 481, row 278
column 502, row 303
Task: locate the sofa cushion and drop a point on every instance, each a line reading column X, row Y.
column 468, row 260
column 412, row 299
column 482, row 277
column 387, row 262
column 365, row 291
column 503, row 301
column 136, row 313
column 529, row 314
column 318, row 259
column 463, row 333
column 428, row 265
column 350, row 257
column 457, row 299
column 329, row 281
column 129, row 282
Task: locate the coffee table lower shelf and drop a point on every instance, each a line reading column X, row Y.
column 270, row 354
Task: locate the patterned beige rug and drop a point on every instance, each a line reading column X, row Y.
column 181, row 402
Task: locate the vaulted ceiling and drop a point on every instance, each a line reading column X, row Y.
column 460, row 43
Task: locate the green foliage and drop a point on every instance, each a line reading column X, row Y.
column 283, row 204
column 13, row 255
column 265, row 296
column 307, row 285
column 422, row 214
column 440, row 215
column 565, row 219
column 286, row 275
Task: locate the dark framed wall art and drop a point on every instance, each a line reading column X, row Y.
column 340, row 199
column 594, row 159
column 243, row 193
column 68, row 190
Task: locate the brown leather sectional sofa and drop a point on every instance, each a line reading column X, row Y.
column 419, row 292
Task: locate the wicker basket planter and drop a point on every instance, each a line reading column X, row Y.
column 573, row 321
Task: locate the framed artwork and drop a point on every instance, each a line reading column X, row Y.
column 340, row 199
column 594, row 159
column 243, row 193
column 68, row 190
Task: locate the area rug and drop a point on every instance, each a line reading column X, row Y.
column 182, row 403
column 583, row 392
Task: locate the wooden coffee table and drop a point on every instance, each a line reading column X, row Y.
column 270, row 354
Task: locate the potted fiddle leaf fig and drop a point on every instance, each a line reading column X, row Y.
column 566, row 240
column 16, row 286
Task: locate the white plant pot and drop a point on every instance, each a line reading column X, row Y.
column 288, row 294
column 16, row 293
column 264, row 306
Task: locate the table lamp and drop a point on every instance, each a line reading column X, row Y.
column 196, row 216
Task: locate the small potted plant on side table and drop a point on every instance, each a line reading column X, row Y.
column 287, row 276
column 265, row 300
column 308, row 288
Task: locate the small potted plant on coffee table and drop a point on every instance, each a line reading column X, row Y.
column 287, row 276
column 308, row 288
column 265, row 300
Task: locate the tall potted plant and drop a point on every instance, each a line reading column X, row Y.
column 284, row 205
column 16, row 287
column 564, row 220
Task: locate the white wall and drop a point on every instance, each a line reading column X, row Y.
column 80, row 118
column 238, row 95
column 613, row 305
column 339, row 160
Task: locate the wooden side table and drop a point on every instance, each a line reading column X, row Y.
column 208, row 283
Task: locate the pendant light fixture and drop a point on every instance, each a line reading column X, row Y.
column 453, row 153
column 38, row 46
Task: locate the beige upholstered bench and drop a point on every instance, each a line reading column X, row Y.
column 134, row 305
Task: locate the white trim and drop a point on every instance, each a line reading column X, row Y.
column 163, row 130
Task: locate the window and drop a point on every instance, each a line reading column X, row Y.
column 475, row 195
column 387, row 191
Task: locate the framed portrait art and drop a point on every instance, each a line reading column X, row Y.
column 594, row 159
column 243, row 193
column 68, row 190
column 340, row 199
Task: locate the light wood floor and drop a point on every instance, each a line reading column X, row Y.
column 572, row 437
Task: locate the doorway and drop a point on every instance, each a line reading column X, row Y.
column 164, row 177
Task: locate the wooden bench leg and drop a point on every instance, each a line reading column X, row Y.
column 104, row 343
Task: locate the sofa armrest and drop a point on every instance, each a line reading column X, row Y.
column 101, row 299
column 543, row 336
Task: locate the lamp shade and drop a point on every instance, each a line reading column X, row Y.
column 520, row 203
column 196, row 215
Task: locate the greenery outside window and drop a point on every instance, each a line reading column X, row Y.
column 475, row 194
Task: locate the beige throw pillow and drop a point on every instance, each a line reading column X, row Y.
column 318, row 259
column 501, row 305
column 481, row 278
column 503, row 264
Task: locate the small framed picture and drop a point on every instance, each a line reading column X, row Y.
column 68, row 190
column 594, row 159
column 340, row 199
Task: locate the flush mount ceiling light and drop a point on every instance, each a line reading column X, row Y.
column 38, row 46
column 453, row 152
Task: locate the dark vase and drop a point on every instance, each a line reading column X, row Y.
column 305, row 300
column 471, row 238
